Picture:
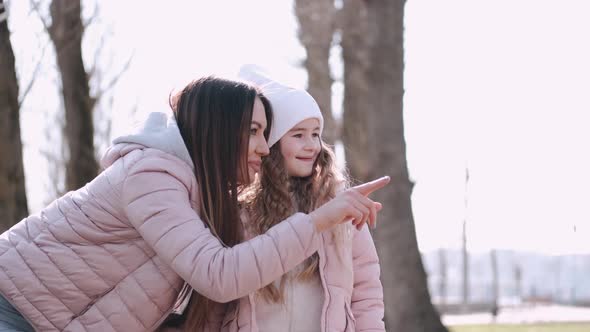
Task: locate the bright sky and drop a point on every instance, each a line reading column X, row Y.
column 500, row 86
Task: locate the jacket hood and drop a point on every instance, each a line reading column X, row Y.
column 159, row 131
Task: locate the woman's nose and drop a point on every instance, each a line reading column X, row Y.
column 263, row 149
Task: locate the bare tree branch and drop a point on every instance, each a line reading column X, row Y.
column 35, row 7
column 33, row 76
column 114, row 80
column 93, row 17
column 97, row 51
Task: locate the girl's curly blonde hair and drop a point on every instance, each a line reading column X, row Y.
column 275, row 196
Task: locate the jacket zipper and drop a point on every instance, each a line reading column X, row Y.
column 92, row 302
column 322, row 264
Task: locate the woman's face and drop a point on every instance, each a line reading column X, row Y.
column 257, row 145
column 300, row 147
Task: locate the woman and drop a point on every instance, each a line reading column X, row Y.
column 112, row 256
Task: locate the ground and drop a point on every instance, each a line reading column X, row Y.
column 549, row 327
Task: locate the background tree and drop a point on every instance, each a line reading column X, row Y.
column 13, row 199
column 355, row 56
column 316, row 30
column 517, row 277
column 87, row 104
column 464, row 252
column 443, row 282
column 495, row 283
column 407, row 299
column 66, row 33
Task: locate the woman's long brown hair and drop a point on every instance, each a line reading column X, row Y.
column 214, row 117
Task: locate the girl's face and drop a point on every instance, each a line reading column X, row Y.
column 300, row 147
column 257, row 145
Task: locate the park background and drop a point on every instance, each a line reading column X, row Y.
column 479, row 110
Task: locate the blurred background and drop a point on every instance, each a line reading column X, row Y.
column 479, row 110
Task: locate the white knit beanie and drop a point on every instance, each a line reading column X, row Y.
column 289, row 105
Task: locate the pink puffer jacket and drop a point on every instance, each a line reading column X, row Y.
column 353, row 294
column 112, row 255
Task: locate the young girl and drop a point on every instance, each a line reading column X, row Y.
column 113, row 255
column 337, row 288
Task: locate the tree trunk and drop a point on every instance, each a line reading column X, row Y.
column 465, row 252
column 495, row 282
column 355, row 55
column 443, row 282
column 13, row 199
column 408, row 306
column 517, row 274
column 66, row 33
column 316, row 29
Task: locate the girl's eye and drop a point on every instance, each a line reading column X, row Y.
column 316, row 135
column 298, row 135
column 253, row 131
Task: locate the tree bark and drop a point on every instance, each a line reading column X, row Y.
column 316, row 30
column 66, row 34
column 13, row 199
column 408, row 306
column 355, row 55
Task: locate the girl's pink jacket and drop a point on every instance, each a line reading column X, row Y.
column 353, row 294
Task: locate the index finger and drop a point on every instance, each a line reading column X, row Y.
column 367, row 188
